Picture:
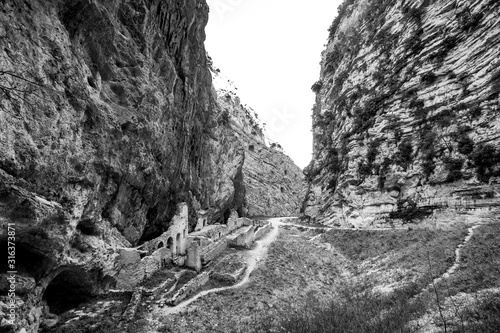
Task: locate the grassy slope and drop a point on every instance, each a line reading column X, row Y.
column 300, row 276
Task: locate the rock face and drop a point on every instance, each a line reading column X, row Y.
column 406, row 117
column 274, row 185
column 108, row 120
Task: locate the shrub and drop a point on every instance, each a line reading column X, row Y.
column 485, row 157
column 414, row 43
column 468, row 21
column 403, row 156
column 332, row 60
column 416, row 104
column 372, row 152
column 224, row 118
column 341, row 11
column 443, row 118
column 465, row 144
column 333, row 163
column 316, row 87
column 413, row 13
column 364, row 169
column 353, row 312
column 411, row 213
column 495, row 82
column 475, row 111
column 454, row 168
column 428, row 78
column 363, row 117
column 427, row 147
column 448, row 43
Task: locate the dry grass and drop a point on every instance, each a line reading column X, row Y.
column 480, row 264
column 398, row 257
column 294, row 270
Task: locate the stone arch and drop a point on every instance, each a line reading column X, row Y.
column 178, row 244
column 68, row 289
column 170, row 244
column 160, row 245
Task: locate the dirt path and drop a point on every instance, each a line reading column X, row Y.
column 252, row 258
column 458, row 258
column 325, row 228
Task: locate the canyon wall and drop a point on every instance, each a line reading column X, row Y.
column 274, row 185
column 406, row 116
column 108, row 120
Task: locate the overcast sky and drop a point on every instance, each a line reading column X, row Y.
column 271, row 49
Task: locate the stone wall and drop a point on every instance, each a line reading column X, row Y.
column 242, row 238
column 263, row 230
column 189, row 288
column 214, row 250
column 193, row 259
column 229, row 270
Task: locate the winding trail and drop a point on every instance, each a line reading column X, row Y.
column 458, row 258
column 252, row 258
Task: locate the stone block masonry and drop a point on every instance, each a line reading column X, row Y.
column 188, row 289
column 214, row 250
column 243, row 238
column 229, row 270
column 135, row 300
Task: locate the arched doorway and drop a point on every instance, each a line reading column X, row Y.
column 160, row 245
column 170, row 244
column 178, row 244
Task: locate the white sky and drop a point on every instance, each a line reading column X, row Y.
column 271, row 49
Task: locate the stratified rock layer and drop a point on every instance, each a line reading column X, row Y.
column 406, row 117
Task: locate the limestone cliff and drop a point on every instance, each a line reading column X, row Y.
column 406, row 116
column 274, row 185
column 109, row 120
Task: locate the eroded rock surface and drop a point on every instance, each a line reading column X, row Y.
column 108, row 120
column 406, row 114
column 274, row 185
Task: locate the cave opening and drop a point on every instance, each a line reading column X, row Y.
column 68, row 290
column 227, row 214
column 30, row 257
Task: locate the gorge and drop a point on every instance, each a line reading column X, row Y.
column 132, row 177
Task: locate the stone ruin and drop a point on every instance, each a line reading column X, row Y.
column 176, row 246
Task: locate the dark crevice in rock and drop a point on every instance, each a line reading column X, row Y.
column 68, row 290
